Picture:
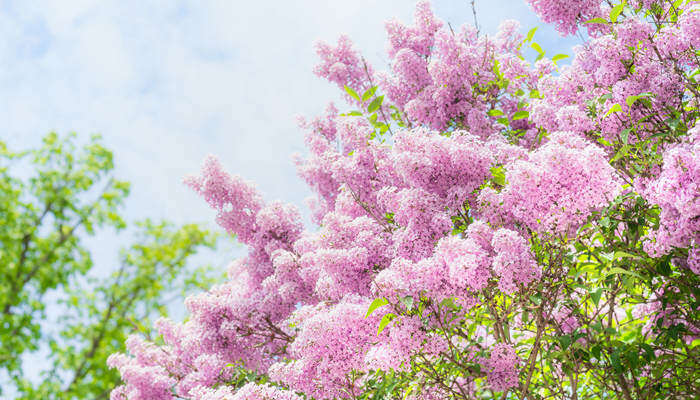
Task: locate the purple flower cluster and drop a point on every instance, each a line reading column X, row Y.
column 489, row 158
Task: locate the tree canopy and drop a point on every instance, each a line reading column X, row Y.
column 52, row 198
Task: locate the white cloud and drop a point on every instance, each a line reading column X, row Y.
column 168, row 82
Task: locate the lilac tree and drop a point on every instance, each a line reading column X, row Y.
column 487, row 226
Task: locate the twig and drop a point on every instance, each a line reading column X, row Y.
column 476, row 22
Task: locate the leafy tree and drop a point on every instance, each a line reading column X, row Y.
column 99, row 319
column 70, row 193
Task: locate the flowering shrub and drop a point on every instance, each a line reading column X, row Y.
column 489, row 227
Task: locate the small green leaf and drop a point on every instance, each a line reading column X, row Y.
column 520, row 115
column 375, row 104
column 632, row 359
column 385, row 321
column 449, row 303
column 499, row 175
column 410, row 389
column 615, row 360
column 564, row 341
column 616, row 11
column 352, row 93
column 598, row 327
column 621, row 153
column 559, row 57
column 618, row 270
column 369, row 93
column 632, row 99
column 495, row 112
column 530, row 34
column 537, row 47
column 597, row 21
column 625, row 135
column 615, row 108
column 664, row 267
column 379, row 302
column 619, row 255
column 648, row 352
column 595, row 296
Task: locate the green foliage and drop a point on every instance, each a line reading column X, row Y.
column 101, row 319
column 69, row 192
column 379, row 302
column 46, row 215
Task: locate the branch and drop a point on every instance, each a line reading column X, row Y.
column 476, row 22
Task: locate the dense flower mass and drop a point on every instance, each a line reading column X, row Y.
column 556, row 188
column 488, row 226
column 680, row 213
column 566, row 15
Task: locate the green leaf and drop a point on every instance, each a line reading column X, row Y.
column 625, row 134
column 375, row 104
column 618, row 270
column 564, row 341
column 597, row 21
column 379, row 302
column 595, row 296
column 615, row 360
column 449, row 303
column 385, row 321
column 410, row 389
column 520, row 115
column 369, row 93
column 614, row 108
column 621, row 153
column 648, row 352
column 499, row 175
column 664, row 267
column 632, row 359
column 619, row 255
column 537, row 47
column 530, row 34
column 632, row 99
column 352, row 93
column 616, row 11
column 494, row 112
column 559, row 57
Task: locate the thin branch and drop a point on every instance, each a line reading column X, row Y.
column 476, row 22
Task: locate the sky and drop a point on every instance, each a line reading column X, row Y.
column 167, row 82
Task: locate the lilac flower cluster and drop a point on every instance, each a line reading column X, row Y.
column 439, row 204
column 680, row 213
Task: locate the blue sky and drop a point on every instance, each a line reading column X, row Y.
column 168, row 82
